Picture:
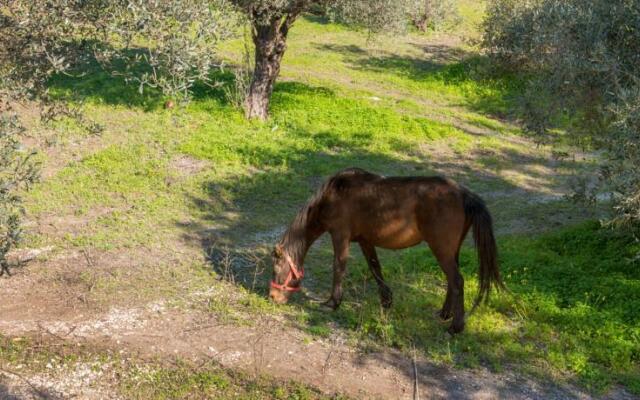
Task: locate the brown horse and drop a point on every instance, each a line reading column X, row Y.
column 393, row 213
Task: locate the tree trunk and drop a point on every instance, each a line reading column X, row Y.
column 269, row 49
column 270, row 44
column 421, row 21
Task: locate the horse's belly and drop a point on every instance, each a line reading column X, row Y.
column 399, row 236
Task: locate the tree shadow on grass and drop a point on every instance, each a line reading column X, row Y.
column 485, row 89
column 92, row 82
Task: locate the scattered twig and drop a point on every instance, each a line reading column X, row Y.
column 200, row 327
column 258, row 358
column 45, row 329
column 87, row 258
column 416, row 394
column 326, row 363
column 257, row 270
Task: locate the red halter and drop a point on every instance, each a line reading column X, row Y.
column 294, row 273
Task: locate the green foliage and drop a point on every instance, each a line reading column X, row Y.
column 37, row 41
column 170, row 45
column 375, row 15
column 167, row 44
column 433, row 14
column 584, row 59
column 17, row 172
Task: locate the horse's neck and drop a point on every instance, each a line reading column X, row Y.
column 297, row 247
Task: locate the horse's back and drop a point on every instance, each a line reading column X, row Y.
column 391, row 212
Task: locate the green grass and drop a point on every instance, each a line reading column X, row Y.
column 343, row 101
column 572, row 313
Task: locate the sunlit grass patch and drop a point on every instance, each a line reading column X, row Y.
column 572, row 312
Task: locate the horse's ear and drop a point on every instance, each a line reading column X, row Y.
column 278, row 250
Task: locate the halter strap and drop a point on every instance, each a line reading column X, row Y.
column 294, row 273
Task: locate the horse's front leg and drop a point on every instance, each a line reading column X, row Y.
column 340, row 254
column 369, row 252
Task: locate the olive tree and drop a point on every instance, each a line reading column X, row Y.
column 169, row 45
column 271, row 21
column 582, row 59
column 17, row 172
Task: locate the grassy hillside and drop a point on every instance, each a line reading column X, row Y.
column 158, row 186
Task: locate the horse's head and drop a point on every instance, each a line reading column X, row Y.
column 287, row 276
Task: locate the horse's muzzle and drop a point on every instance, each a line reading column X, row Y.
column 278, row 296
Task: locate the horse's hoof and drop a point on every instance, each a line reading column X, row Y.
column 386, row 297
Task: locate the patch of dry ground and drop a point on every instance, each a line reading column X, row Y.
column 155, row 330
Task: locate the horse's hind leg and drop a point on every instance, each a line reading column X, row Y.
column 446, row 313
column 456, row 283
column 340, row 253
column 369, row 251
column 454, row 303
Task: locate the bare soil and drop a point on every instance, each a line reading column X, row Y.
column 266, row 347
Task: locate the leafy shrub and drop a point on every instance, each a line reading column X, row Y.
column 583, row 60
column 17, row 171
column 168, row 44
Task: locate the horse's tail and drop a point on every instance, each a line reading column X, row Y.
column 488, row 274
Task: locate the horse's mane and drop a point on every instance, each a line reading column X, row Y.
column 294, row 237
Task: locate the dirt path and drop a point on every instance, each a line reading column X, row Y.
column 266, row 347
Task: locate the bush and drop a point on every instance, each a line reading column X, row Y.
column 583, row 60
column 17, row 171
column 169, row 45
